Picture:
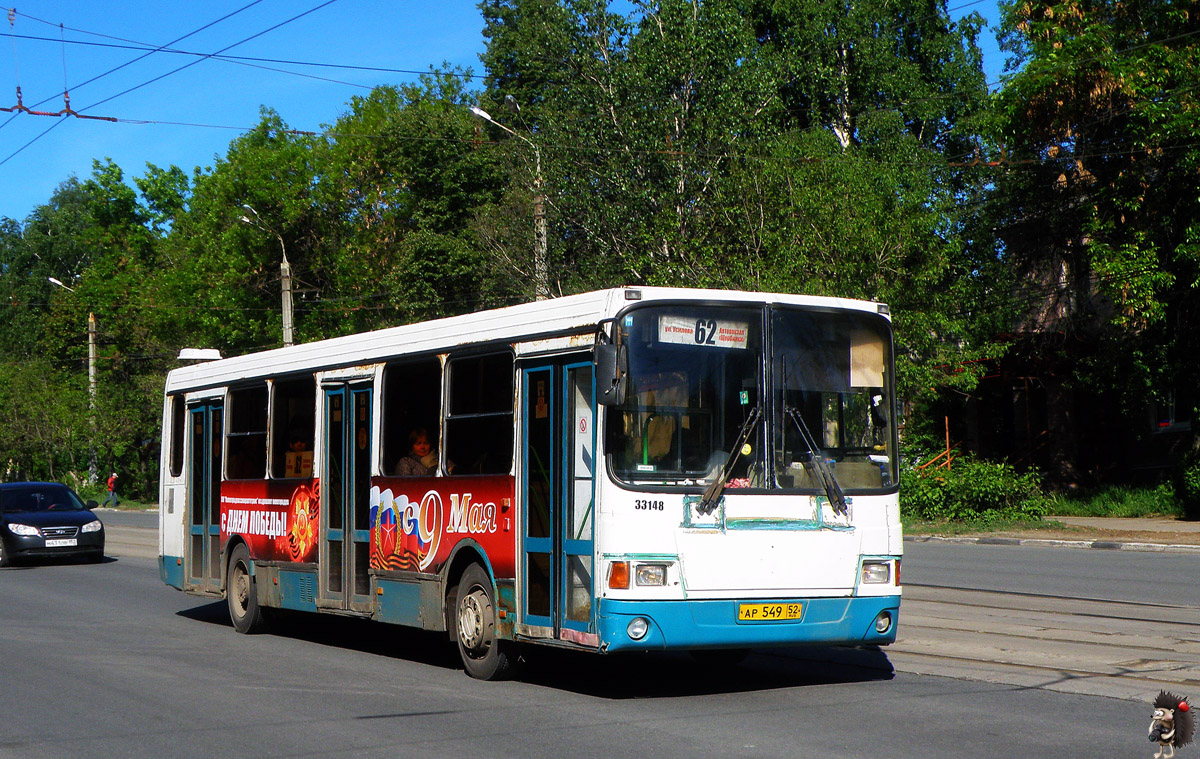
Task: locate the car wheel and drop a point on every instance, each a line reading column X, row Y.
column 484, row 656
column 4, row 560
column 242, row 594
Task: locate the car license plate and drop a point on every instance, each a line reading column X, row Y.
column 769, row 612
column 61, row 542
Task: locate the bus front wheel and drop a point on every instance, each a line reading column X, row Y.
column 484, row 656
column 241, row 593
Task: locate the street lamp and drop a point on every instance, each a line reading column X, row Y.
column 93, row 468
column 285, row 272
column 541, row 278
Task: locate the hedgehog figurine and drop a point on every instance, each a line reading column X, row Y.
column 1172, row 724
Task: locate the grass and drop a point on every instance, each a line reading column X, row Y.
column 1120, row 501
column 1115, row 501
column 950, row 529
column 124, row 505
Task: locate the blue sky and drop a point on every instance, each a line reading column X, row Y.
column 187, row 118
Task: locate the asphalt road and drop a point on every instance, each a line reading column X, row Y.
column 1095, row 622
column 104, row 661
column 1135, row 576
column 122, row 518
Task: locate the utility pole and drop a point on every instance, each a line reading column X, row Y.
column 541, row 274
column 93, row 465
column 285, row 273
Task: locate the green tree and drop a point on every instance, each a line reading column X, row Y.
column 403, row 179
column 224, row 279
column 798, row 146
column 1103, row 223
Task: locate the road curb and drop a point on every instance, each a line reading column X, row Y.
column 1107, row 545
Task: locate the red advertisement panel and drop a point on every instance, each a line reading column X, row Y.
column 279, row 519
column 417, row 521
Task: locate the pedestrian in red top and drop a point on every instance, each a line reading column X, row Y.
column 112, row 490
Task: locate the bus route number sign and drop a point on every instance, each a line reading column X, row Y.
column 703, row 331
column 770, row 612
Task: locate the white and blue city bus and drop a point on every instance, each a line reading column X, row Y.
column 624, row 470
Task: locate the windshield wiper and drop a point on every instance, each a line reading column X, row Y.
column 712, row 494
column 837, row 499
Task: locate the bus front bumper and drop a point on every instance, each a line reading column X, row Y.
column 698, row 624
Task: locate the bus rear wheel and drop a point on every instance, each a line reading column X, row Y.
column 484, row 656
column 242, row 594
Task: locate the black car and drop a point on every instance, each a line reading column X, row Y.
column 46, row 519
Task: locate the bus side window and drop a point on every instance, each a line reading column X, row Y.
column 412, row 403
column 479, row 415
column 293, row 416
column 178, row 434
column 246, row 436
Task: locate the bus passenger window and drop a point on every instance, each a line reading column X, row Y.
column 293, row 414
column 246, row 437
column 412, row 410
column 479, row 419
column 178, row 433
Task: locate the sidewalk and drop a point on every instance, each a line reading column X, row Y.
column 1112, row 533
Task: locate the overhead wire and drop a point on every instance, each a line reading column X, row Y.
column 201, row 60
column 58, row 123
column 251, row 60
column 174, row 71
column 150, row 49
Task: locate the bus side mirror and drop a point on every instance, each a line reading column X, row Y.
column 612, row 362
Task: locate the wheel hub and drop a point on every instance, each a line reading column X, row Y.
column 241, row 587
column 470, row 621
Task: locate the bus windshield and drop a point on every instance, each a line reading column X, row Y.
column 830, row 374
column 695, row 404
column 694, row 382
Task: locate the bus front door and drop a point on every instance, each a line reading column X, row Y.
column 203, row 559
column 346, row 497
column 558, row 488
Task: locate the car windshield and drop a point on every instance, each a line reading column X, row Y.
column 27, row 498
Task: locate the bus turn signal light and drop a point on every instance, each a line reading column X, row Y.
column 618, row 575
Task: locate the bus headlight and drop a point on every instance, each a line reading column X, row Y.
column 638, row 627
column 651, row 574
column 876, row 572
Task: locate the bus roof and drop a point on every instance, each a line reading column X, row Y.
column 572, row 314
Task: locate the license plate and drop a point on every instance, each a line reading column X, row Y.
column 769, row 612
column 61, row 542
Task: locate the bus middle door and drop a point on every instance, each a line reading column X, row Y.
column 558, row 489
column 346, row 497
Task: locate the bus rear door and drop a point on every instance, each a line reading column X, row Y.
column 203, row 559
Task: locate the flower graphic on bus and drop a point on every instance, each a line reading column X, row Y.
column 303, row 513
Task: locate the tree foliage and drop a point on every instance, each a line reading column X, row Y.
column 1101, row 219
column 785, row 145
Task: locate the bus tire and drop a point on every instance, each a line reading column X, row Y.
column 484, row 656
column 241, row 593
